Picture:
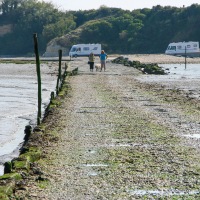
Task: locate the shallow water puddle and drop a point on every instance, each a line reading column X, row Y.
column 162, row 193
column 90, row 134
column 197, row 136
column 92, row 173
column 124, row 145
column 95, row 165
column 92, row 151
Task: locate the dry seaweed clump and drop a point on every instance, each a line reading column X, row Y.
column 145, row 68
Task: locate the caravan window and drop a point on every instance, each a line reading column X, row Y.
column 95, row 48
column 86, row 48
column 188, row 46
column 195, row 45
column 173, row 48
column 73, row 49
column 179, row 47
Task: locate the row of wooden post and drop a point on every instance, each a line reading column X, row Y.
column 59, row 79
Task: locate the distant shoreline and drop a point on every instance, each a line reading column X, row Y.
column 143, row 58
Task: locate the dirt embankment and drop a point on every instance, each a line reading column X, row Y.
column 117, row 138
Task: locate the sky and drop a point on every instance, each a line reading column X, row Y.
column 66, row 5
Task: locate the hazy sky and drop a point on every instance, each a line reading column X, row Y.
column 124, row 4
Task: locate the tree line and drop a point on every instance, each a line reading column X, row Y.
column 119, row 31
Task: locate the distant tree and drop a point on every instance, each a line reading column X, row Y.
column 96, row 31
column 119, row 31
column 7, row 6
column 61, row 27
column 35, row 17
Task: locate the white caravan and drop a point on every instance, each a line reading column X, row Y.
column 182, row 48
column 85, row 50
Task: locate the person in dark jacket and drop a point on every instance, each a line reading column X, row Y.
column 91, row 61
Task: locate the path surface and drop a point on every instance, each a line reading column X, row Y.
column 120, row 140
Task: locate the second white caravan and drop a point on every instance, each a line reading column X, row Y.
column 85, row 50
column 183, row 48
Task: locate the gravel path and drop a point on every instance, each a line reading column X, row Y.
column 120, row 139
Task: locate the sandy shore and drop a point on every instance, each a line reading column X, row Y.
column 159, row 58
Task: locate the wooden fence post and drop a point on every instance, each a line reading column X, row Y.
column 60, row 59
column 185, row 58
column 38, row 78
column 59, row 72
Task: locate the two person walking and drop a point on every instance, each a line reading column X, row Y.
column 103, row 56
